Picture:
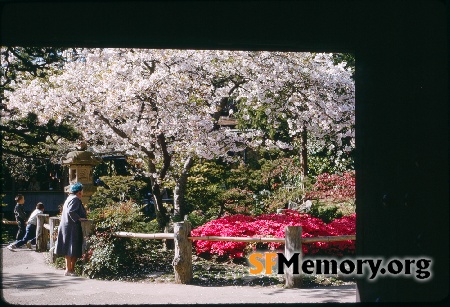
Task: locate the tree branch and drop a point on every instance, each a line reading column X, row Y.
column 123, row 135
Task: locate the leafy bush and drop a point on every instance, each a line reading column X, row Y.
column 272, row 225
column 206, row 184
column 197, row 218
column 324, row 212
column 263, row 185
column 333, row 187
column 120, row 216
column 109, row 256
column 117, row 189
column 104, row 256
column 216, row 188
column 333, row 195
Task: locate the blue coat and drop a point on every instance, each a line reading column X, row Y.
column 70, row 236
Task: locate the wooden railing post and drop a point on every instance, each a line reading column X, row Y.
column 87, row 228
column 41, row 233
column 293, row 244
column 53, row 223
column 182, row 262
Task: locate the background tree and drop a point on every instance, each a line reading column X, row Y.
column 24, row 137
column 27, row 62
column 306, row 98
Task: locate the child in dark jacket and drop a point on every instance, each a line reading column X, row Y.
column 20, row 216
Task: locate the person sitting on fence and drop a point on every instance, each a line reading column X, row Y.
column 30, row 232
column 20, row 215
column 70, row 236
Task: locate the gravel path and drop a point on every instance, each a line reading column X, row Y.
column 28, row 280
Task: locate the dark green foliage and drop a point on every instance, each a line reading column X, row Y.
column 259, row 120
column 117, row 207
column 198, row 218
column 215, row 188
column 325, row 213
column 117, row 189
column 25, row 137
column 206, row 184
column 116, row 258
column 9, row 233
column 109, row 256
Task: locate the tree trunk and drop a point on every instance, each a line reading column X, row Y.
column 304, row 153
column 179, row 203
column 162, row 216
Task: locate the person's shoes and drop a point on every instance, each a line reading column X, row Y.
column 11, row 247
column 29, row 244
column 70, row 274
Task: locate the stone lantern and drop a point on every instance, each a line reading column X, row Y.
column 81, row 163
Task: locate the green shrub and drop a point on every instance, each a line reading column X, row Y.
column 104, row 256
column 109, row 256
column 117, row 189
column 197, row 218
column 326, row 213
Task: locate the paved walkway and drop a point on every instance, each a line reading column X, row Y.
column 28, row 280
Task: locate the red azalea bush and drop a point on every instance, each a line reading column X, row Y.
column 272, row 225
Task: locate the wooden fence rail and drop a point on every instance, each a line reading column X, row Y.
column 183, row 247
column 145, row 236
column 169, row 236
column 5, row 222
column 182, row 261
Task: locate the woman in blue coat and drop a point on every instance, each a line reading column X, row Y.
column 70, row 236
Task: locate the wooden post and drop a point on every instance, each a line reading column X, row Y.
column 87, row 228
column 41, row 233
column 182, row 262
column 53, row 223
column 293, row 244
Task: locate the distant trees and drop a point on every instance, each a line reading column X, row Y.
column 24, row 134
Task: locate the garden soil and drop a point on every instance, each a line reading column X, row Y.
column 28, row 280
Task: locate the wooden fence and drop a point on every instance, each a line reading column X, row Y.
column 183, row 247
column 182, row 261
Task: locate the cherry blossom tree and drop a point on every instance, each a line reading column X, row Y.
column 163, row 106
column 307, row 92
column 154, row 104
